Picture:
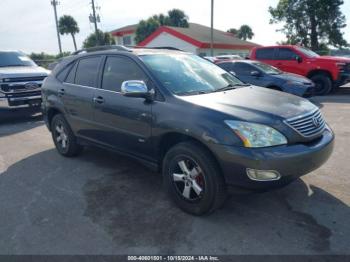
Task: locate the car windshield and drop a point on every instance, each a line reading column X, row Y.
column 267, row 69
column 15, row 59
column 307, row 52
column 185, row 74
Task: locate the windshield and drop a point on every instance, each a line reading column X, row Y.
column 267, row 69
column 185, row 74
column 15, row 59
column 307, row 52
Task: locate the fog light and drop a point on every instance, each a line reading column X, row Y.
column 263, row 175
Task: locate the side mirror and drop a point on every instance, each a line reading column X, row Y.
column 136, row 88
column 255, row 73
column 299, row 59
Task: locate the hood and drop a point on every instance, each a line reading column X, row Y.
column 22, row 71
column 293, row 77
column 332, row 59
column 255, row 104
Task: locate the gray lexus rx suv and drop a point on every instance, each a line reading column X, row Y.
column 198, row 125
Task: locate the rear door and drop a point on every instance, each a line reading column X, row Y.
column 266, row 55
column 77, row 94
column 122, row 122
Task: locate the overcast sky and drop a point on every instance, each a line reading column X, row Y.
column 28, row 25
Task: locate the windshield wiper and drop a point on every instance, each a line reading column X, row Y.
column 230, row 87
column 193, row 93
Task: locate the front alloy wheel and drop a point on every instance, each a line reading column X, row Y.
column 193, row 179
column 188, row 178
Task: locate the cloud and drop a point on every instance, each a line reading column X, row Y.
column 30, row 26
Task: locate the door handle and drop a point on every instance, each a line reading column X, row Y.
column 98, row 100
column 61, row 92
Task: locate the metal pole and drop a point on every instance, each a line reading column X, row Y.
column 95, row 21
column 212, row 29
column 54, row 3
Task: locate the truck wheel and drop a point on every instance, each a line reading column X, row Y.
column 63, row 137
column 323, row 84
column 193, row 179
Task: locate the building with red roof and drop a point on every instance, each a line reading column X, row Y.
column 195, row 39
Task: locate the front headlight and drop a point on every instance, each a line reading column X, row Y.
column 256, row 135
column 292, row 82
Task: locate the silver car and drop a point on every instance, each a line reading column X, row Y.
column 20, row 80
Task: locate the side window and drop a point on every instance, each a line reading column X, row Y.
column 265, row 53
column 243, row 69
column 286, row 54
column 87, row 71
column 71, row 75
column 61, row 76
column 119, row 69
column 127, row 40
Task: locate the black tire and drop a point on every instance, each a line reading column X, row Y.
column 323, row 84
column 211, row 181
column 71, row 147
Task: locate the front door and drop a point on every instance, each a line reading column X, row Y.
column 286, row 60
column 122, row 122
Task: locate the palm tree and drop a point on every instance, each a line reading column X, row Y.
column 68, row 25
column 245, row 32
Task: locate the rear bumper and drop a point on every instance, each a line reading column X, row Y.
column 291, row 161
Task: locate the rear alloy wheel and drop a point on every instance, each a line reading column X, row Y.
column 63, row 137
column 193, row 179
column 323, row 84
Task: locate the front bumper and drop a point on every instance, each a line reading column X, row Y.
column 20, row 100
column 290, row 161
column 300, row 90
column 343, row 78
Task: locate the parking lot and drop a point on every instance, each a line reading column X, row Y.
column 103, row 203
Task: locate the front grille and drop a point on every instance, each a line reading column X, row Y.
column 308, row 125
column 347, row 68
column 19, row 87
column 24, row 79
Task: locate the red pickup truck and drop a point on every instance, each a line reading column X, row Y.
column 326, row 72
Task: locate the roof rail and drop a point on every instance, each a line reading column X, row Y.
column 101, row 48
column 157, row 47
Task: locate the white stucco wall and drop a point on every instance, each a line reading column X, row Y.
column 119, row 39
column 165, row 39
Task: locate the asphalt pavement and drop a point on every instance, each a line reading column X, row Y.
column 104, row 203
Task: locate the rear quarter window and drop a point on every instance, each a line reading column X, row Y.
column 61, row 76
column 265, row 53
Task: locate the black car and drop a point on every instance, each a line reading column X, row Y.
column 264, row 75
column 187, row 118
